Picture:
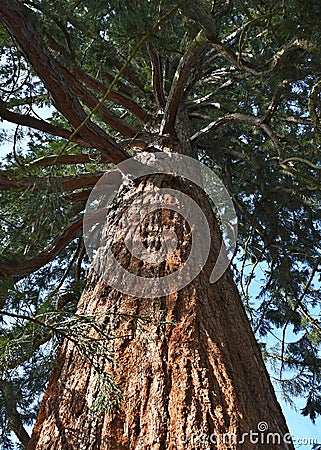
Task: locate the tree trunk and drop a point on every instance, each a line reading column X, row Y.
column 189, row 368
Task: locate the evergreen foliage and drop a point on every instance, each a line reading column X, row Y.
column 247, row 75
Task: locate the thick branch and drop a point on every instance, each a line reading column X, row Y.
column 67, row 183
column 275, row 102
column 108, row 117
column 29, row 266
column 175, row 94
column 127, row 74
column 195, row 11
column 298, row 120
column 122, row 87
column 212, row 126
column 240, row 118
column 16, row 19
column 85, row 180
column 157, row 78
column 130, row 76
column 203, row 103
column 269, row 65
column 14, row 418
column 8, row 184
column 52, row 160
column 77, row 196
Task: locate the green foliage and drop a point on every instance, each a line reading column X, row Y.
column 108, row 397
column 263, row 78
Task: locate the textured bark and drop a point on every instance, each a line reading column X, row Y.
column 182, row 385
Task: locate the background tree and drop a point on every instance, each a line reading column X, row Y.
column 236, row 84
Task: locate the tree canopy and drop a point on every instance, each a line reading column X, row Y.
column 87, row 84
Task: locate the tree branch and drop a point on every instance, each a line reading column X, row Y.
column 77, row 196
column 73, row 230
column 108, row 117
column 67, row 183
column 7, row 184
column 298, row 120
column 315, row 91
column 157, row 78
column 14, row 418
column 303, row 161
column 30, row 100
column 240, row 118
column 37, row 124
column 175, row 94
column 269, row 65
column 130, row 76
column 212, row 126
column 52, row 160
column 275, row 102
column 127, row 74
column 202, row 103
column 117, row 97
column 195, row 11
column 13, row 15
column 72, row 183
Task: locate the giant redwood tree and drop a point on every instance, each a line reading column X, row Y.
column 87, row 85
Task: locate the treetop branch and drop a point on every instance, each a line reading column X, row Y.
column 195, row 11
column 176, row 91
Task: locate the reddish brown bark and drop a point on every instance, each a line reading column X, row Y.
column 157, row 77
column 199, row 380
column 177, row 88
